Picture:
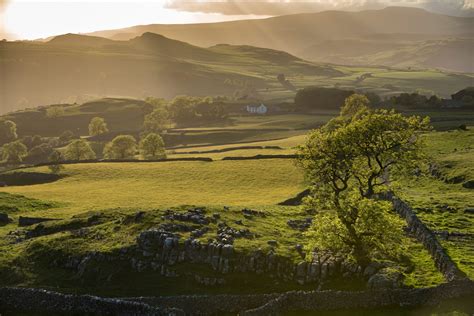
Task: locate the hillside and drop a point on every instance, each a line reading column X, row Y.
column 70, row 65
column 77, row 68
column 309, row 35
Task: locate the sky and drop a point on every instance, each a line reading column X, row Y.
column 33, row 19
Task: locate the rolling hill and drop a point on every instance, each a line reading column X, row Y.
column 68, row 66
column 77, row 68
column 340, row 37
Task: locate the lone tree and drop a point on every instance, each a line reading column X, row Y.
column 121, row 147
column 347, row 165
column 79, row 149
column 97, row 126
column 55, row 158
column 153, row 147
column 14, row 152
column 7, row 131
column 157, row 121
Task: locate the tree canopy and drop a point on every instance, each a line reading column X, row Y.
column 121, row 147
column 14, row 152
column 153, row 147
column 157, row 121
column 348, row 164
column 97, row 126
column 79, row 149
column 7, row 131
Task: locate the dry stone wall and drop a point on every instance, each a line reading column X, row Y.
column 417, row 228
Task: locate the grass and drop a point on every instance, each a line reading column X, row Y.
column 115, row 190
column 149, row 185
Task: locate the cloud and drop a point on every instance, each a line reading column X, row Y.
column 279, row 7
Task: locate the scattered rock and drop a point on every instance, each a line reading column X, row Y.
column 196, row 216
column 300, row 224
column 226, row 234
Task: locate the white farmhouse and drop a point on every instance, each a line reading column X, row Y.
column 257, row 109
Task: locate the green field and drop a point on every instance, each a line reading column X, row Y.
column 116, row 190
column 150, row 185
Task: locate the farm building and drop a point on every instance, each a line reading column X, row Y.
column 260, row 109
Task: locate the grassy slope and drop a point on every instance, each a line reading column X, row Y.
column 149, row 185
column 441, row 205
column 78, row 67
column 118, row 189
column 368, row 37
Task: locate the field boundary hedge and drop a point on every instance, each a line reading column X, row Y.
column 257, row 157
column 225, row 150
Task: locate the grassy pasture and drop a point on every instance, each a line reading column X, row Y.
column 118, row 189
column 150, row 185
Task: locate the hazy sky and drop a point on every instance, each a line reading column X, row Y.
column 31, row 19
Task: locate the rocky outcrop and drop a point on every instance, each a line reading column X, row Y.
column 417, row 228
column 4, row 219
column 160, row 250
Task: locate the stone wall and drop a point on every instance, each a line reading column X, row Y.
column 336, row 300
column 41, row 301
column 36, row 300
column 417, row 228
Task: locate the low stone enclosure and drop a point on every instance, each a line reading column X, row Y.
column 159, row 250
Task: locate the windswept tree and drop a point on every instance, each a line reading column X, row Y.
column 79, row 149
column 157, row 121
column 347, row 165
column 121, row 147
column 7, row 131
column 97, row 126
column 14, row 152
column 153, row 147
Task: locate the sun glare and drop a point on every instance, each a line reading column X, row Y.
column 35, row 19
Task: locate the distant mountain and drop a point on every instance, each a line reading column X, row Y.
column 337, row 36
